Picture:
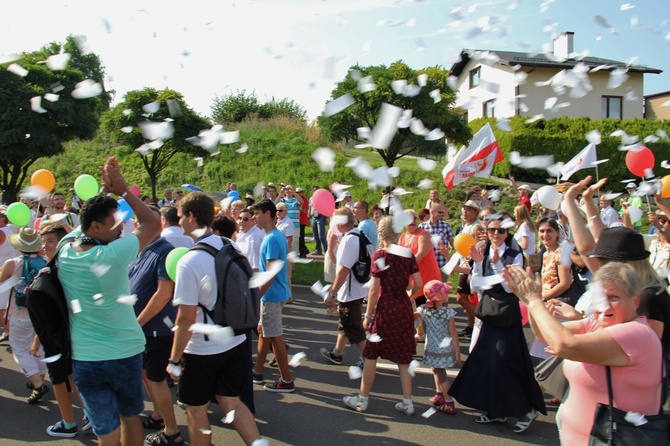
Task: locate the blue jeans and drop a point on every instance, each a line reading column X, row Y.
column 319, row 230
column 110, row 389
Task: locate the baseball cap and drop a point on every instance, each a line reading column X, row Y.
column 524, row 187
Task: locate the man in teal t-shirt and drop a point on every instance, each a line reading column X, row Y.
column 107, row 341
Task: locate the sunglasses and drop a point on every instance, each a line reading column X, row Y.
column 243, row 219
column 662, row 220
column 498, row 230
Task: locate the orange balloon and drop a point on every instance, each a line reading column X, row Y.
column 463, row 242
column 665, row 183
column 43, row 178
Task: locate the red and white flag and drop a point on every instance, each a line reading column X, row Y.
column 476, row 160
column 584, row 159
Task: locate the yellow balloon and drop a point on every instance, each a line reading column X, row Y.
column 665, row 183
column 463, row 242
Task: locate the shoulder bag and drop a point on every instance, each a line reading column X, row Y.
column 612, row 429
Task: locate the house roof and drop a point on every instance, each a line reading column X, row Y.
column 659, row 94
column 540, row 60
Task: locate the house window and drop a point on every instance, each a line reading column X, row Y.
column 612, row 107
column 474, row 77
column 489, row 108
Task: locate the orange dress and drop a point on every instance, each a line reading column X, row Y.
column 428, row 267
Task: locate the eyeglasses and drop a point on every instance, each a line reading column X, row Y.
column 243, row 219
column 498, row 230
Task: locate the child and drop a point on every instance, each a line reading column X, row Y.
column 439, row 325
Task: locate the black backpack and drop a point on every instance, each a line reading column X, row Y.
column 361, row 269
column 237, row 306
column 48, row 311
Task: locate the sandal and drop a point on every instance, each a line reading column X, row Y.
column 149, row 422
column 486, row 419
column 160, row 438
column 522, row 426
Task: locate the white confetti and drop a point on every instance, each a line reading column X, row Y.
column 127, row 129
column 97, row 296
column 230, row 137
column 76, row 306
column 599, row 300
column 325, row 158
column 494, row 195
column 503, row 124
column 35, row 193
column 385, row 128
column 366, row 84
column 128, row 299
column 17, row 69
column 446, row 342
column 635, row 418
column 485, row 282
column 100, row 270
column 229, row 418
column 36, row 104
column 51, row 97
column 119, row 217
column 381, row 264
column 665, row 164
column 451, row 264
column 566, row 250
column 337, row 105
column 635, row 214
column 436, row 95
column 244, row 147
column 168, row 322
column 400, row 220
column 413, row 365
column 594, row 137
column 355, row 372
column 429, row 413
column 163, row 130
column 426, row 164
column 151, row 107
column 261, row 278
column 292, row 257
column 425, row 184
column 51, row 359
column 86, row 89
column 374, row 337
column 297, row 359
column 202, row 429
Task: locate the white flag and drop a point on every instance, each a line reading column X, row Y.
column 476, row 160
column 584, row 159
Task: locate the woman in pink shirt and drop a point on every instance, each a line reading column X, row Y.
column 614, row 336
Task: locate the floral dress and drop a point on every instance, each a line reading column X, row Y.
column 436, row 325
column 394, row 316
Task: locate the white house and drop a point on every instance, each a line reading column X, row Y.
column 557, row 83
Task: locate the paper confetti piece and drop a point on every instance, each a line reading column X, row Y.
column 36, row 104
column 446, row 342
column 452, row 263
column 151, row 107
column 485, row 282
column 244, row 147
column 261, row 278
column 429, row 413
column 355, row 372
column 76, row 306
column 337, row 105
column 374, row 337
column 413, row 365
column 202, row 429
column 566, row 250
column 381, row 264
column 297, row 359
column 86, row 89
column 425, row 184
column 599, row 300
column 168, row 322
column 100, row 270
column 97, row 296
column 229, row 418
column 292, row 257
column 230, row 137
column 325, row 158
column 426, row 164
column 128, row 299
column 51, row 359
column 385, row 128
column 17, row 69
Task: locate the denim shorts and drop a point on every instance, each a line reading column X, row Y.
column 110, row 389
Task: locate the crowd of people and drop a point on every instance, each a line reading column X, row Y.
column 121, row 350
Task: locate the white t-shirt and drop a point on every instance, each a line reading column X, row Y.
column 347, row 255
column 525, row 231
column 250, row 245
column 285, row 225
column 609, row 216
column 196, row 284
column 176, row 237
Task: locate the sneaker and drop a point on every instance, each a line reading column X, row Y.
column 328, row 354
column 465, row 333
column 280, row 386
column 258, row 378
column 437, row 399
column 406, row 406
column 85, row 424
column 37, row 394
column 160, row 438
column 448, row 407
column 59, row 430
column 356, row 402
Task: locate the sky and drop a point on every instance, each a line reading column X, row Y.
column 300, row 49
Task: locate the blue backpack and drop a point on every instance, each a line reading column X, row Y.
column 32, row 264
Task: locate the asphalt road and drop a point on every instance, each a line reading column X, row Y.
column 313, row 415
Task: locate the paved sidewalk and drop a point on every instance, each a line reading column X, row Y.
column 313, row 415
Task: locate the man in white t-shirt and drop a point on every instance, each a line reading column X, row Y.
column 171, row 231
column 206, row 365
column 608, row 214
column 348, row 291
column 249, row 238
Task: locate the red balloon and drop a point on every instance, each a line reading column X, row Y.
column 324, row 202
column 524, row 313
column 638, row 161
column 135, row 190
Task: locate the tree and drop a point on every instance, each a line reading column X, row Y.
column 366, row 109
column 237, row 107
column 164, row 128
column 27, row 135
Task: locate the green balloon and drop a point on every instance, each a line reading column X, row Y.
column 86, row 187
column 172, row 259
column 18, row 214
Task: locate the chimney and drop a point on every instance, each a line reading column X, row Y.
column 563, row 45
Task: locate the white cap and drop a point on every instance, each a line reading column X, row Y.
column 631, row 186
column 524, row 187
